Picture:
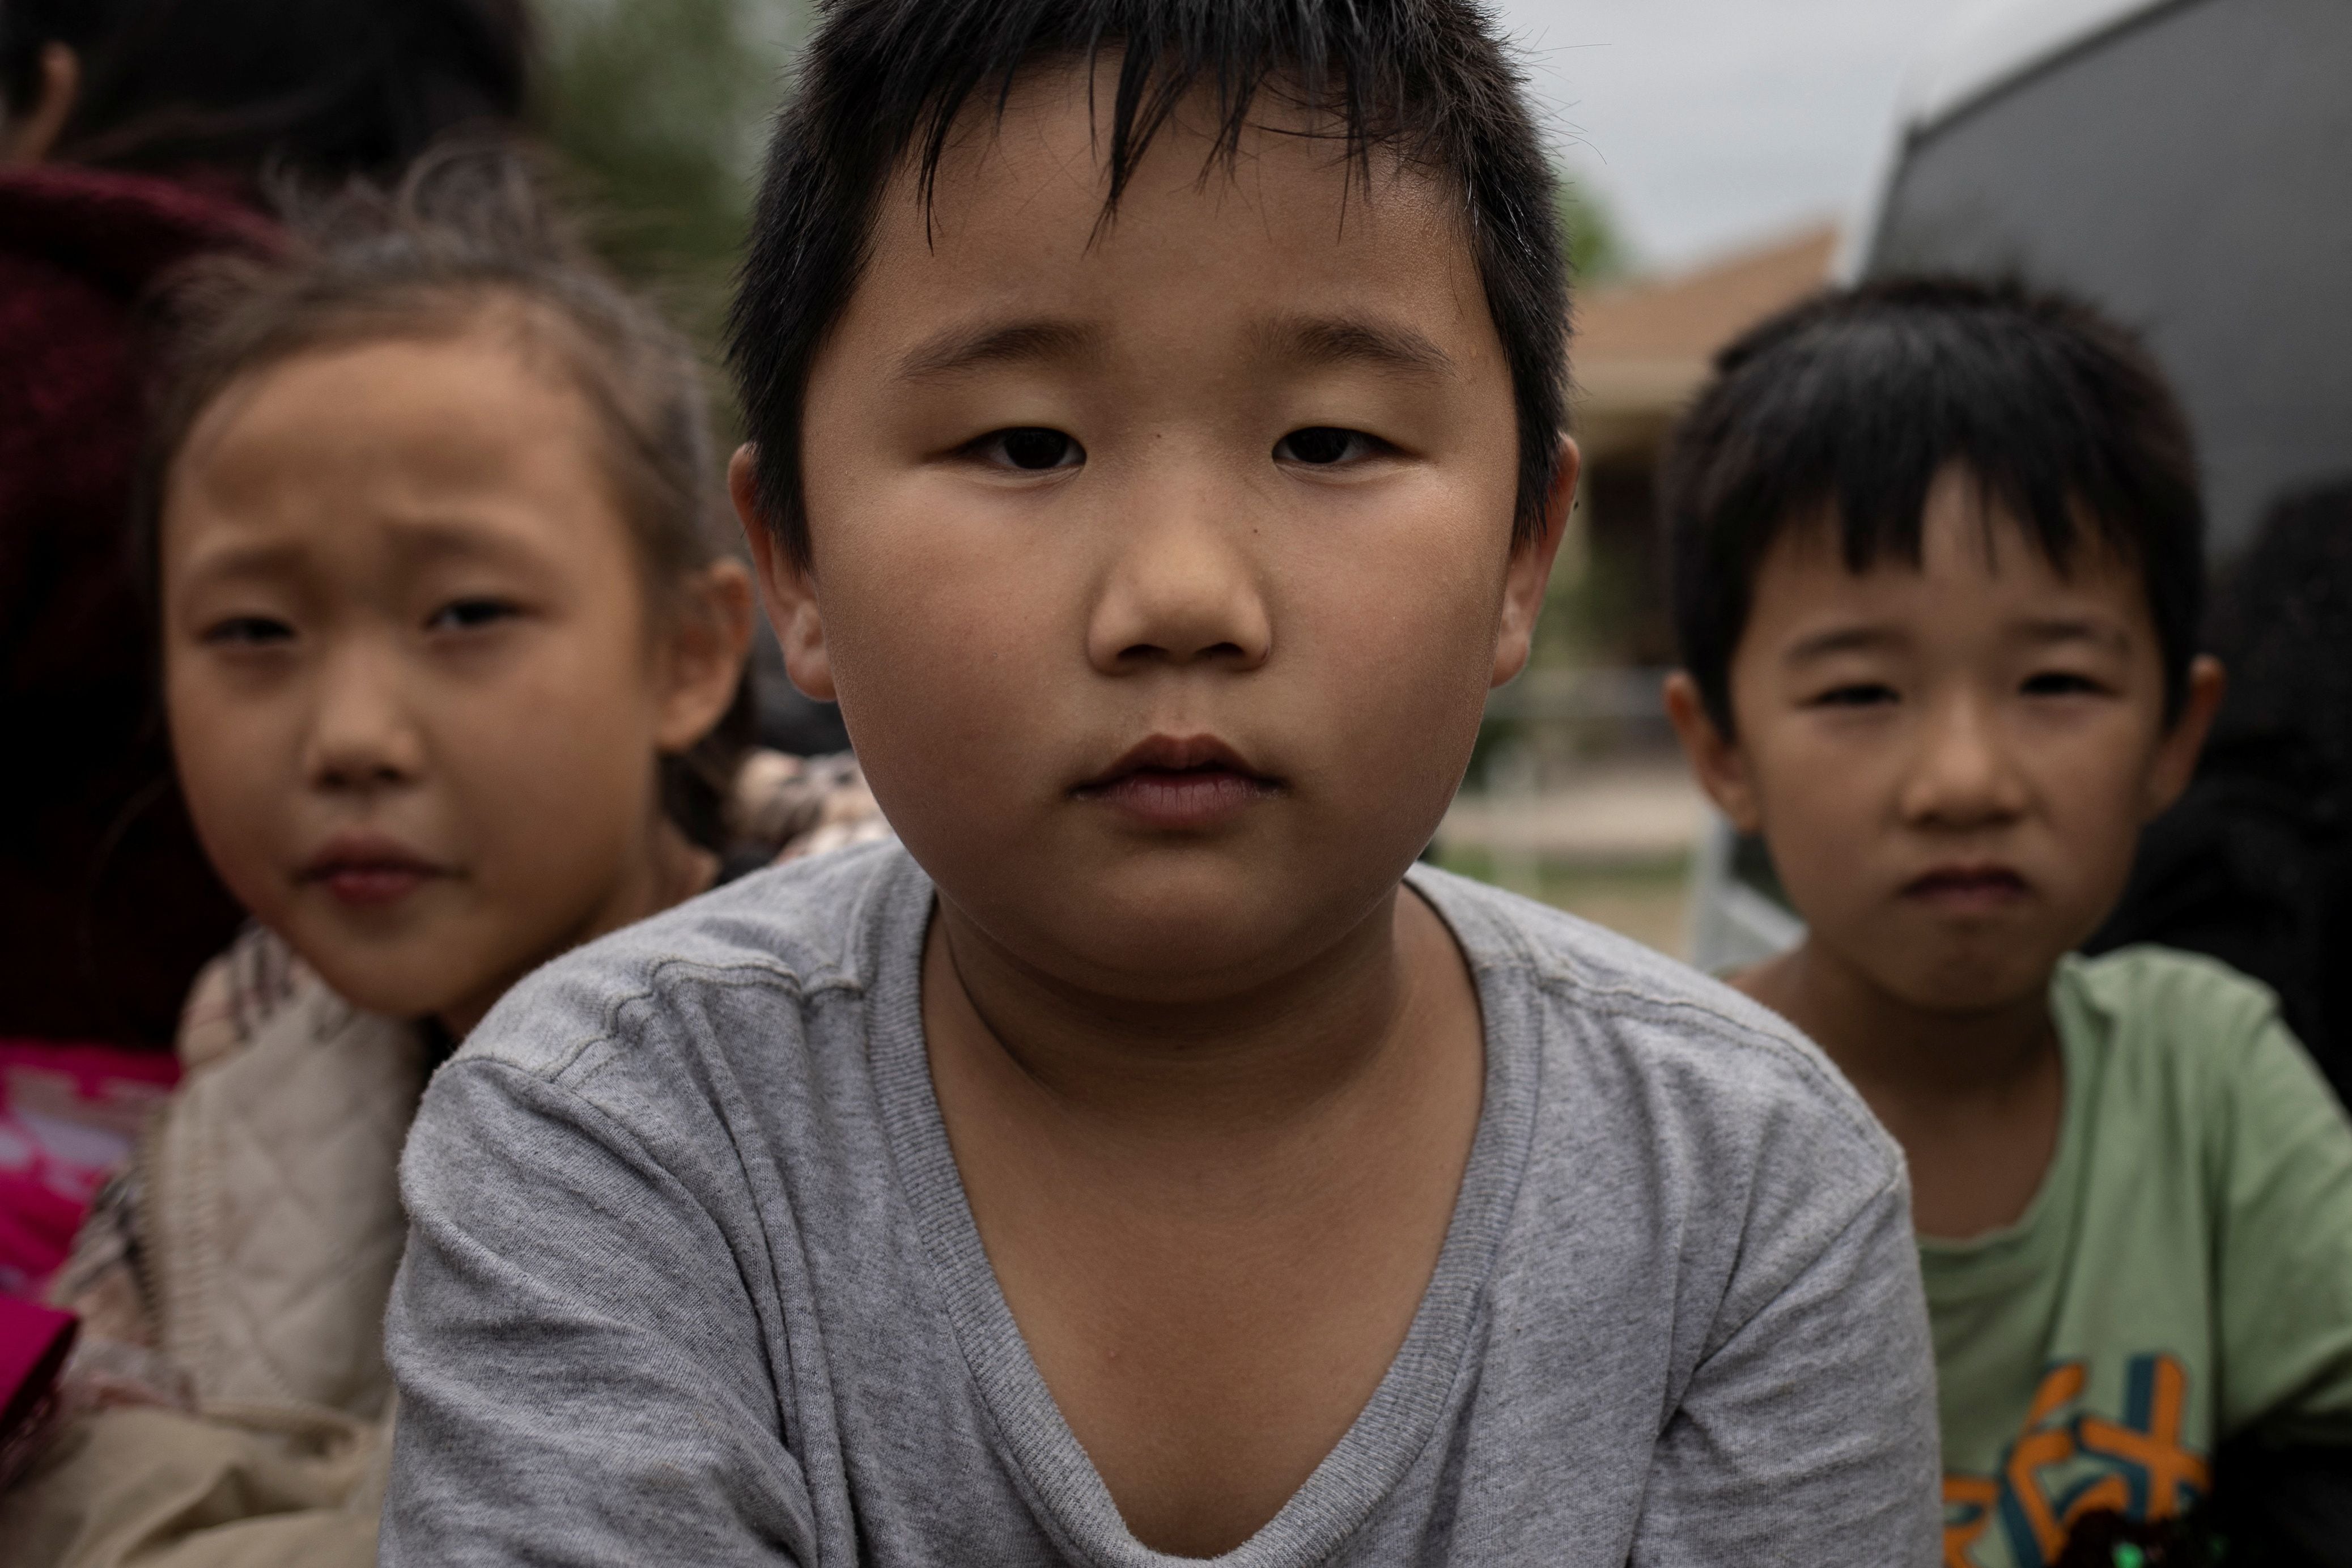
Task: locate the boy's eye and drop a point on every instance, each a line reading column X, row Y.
column 2059, row 684
column 1323, row 445
column 248, row 632
column 1856, row 693
column 468, row 614
column 1030, row 448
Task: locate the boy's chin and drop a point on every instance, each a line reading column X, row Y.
column 1966, row 978
column 1215, row 934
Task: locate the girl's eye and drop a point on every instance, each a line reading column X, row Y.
column 1324, row 445
column 469, row 614
column 1032, row 449
column 248, row 632
column 2059, row 684
column 1857, row 694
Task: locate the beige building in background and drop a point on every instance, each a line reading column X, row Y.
column 1640, row 351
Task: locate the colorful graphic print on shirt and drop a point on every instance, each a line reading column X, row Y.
column 2068, row 1462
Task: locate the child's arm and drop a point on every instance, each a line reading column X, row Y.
column 1808, row 1432
column 583, row 1378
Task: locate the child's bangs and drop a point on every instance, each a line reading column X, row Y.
column 1868, row 419
column 1349, row 69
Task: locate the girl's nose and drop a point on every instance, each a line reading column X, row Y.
column 361, row 733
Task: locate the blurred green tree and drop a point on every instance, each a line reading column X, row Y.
column 658, row 110
column 1598, row 251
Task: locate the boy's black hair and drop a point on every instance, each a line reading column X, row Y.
column 1847, row 406
column 883, row 80
column 323, row 88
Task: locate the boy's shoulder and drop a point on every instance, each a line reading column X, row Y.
column 2191, row 1010
column 778, row 941
column 1691, row 1046
column 2184, row 1036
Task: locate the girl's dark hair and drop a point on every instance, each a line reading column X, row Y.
column 468, row 235
column 1846, row 407
column 1424, row 80
column 324, row 88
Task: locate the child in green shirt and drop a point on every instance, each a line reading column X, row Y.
column 1937, row 567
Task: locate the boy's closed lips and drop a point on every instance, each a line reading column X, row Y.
column 1178, row 784
column 1976, row 887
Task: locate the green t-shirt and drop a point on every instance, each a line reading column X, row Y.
column 2184, row 1274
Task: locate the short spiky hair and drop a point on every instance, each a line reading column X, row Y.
column 882, row 81
column 1846, row 407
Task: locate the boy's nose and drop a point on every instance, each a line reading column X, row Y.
column 1182, row 590
column 1963, row 775
column 361, row 736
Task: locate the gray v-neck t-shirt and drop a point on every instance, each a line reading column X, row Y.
column 692, row 1279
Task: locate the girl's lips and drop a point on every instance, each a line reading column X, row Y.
column 368, row 870
column 371, row 885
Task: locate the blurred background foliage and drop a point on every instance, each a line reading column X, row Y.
column 658, row 110
column 1598, row 251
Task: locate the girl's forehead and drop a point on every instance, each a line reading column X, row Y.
column 459, row 434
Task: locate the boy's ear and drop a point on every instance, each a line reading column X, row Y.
column 707, row 645
column 1530, row 570
column 2177, row 753
column 1715, row 757
column 787, row 591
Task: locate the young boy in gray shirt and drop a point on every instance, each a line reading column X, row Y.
column 1156, row 414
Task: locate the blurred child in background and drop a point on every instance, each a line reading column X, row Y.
column 1937, row 567
column 454, row 667
column 134, row 135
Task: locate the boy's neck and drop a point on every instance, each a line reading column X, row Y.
column 1213, row 1221
column 1882, row 1041
column 1975, row 1098
column 1253, row 1059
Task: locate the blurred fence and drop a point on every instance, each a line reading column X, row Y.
column 1578, row 796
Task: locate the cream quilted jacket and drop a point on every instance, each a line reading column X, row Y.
column 268, row 1192
column 232, row 1284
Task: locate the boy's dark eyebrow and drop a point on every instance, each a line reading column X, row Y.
column 961, row 349
column 1315, row 340
column 1342, row 339
column 1842, row 640
column 2070, row 629
column 2043, row 630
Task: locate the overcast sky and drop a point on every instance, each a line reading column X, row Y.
column 1707, row 123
